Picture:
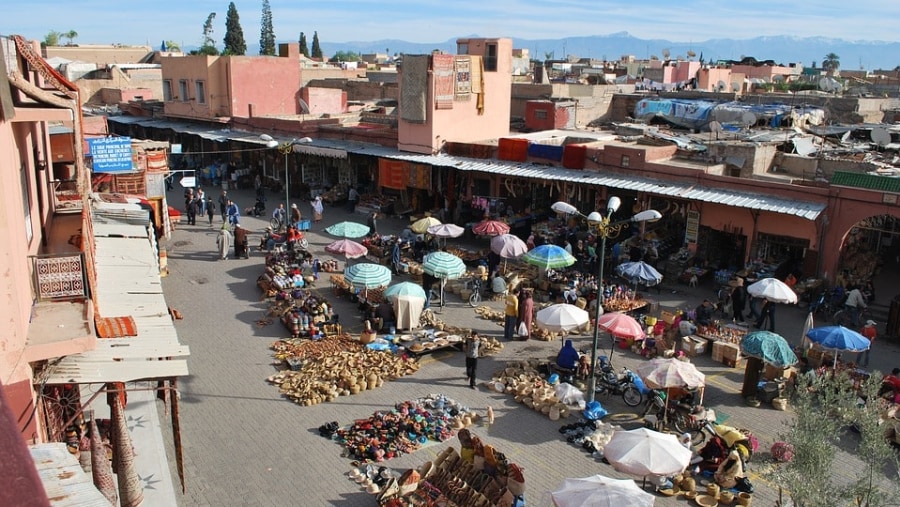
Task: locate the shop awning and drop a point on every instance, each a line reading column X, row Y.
column 128, row 284
column 320, row 151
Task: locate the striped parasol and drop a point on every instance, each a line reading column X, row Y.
column 443, row 265
column 549, row 257
column 367, row 275
column 348, row 230
column 490, row 228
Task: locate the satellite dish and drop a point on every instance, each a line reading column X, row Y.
column 845, row 137
column 880, row 136
column 720, row 86
column 748, row 118
column 304, row 107
column 735, row 87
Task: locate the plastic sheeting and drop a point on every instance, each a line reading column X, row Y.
column 697, row 114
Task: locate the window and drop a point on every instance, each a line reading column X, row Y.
column 183, row 90
column 462, row 48
column 167, row 90
column 490, row 58
column 626, row 161
column 201, row 92
column 540, row 114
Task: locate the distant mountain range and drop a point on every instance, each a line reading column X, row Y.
column 783, row 49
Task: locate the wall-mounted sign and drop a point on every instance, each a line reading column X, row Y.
column 889, row 198
column 111, row 154
column 692, row 227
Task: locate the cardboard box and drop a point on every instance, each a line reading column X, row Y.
column 693, row 346
column 730, row 352
column 772, row 373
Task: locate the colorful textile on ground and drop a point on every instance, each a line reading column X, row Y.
column 513, row 149
column 414, row 88
column 410, row 426
column 574, row 156
column 463, row 78
column 444, row 80
column 115, row 327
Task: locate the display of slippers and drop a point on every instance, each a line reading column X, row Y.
column 328, row 429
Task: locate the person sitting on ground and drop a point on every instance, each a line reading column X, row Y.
column 704, row 313
column 730, row 471
column 584, row 367
column 271, row 239
column 408, row 236
column 568, row 356
column 890, row 385
column 498, row 284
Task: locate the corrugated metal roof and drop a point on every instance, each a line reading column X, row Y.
column 65, row 482
column 128, row 284
column 869, row 181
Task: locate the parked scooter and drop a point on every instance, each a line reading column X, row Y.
column 624, row 383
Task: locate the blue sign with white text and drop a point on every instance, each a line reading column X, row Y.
column 111, row 154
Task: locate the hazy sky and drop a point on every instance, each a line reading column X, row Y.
column 128, row 22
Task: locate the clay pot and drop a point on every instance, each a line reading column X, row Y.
column 688, row 484
column 712, row 489
column 744, row 499
column 726, row 497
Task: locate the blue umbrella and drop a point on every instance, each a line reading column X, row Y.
column 348, row 230
column 768, row 347
column 549, row 257
column 639, row 273
column 405, row 289
column 838, row 338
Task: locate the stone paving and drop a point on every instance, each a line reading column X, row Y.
column 246, row 445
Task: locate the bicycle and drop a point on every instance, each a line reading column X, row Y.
column 278, row 223
column 477, row 288
column 844, row 317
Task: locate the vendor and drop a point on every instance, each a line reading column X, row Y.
column 730, row 471
column 568, row 356
column 705, row 313
column 385, row 312
column 498, row 284
column 408, row 236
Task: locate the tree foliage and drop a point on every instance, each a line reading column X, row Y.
column 345, row 56
column 52, row 38
column 266, row 31
column 173, row 46
column 822, row 414
column 316, row 48
column 831, row 63
column 234, row 34
column 304, row 48
column 208, row 46
column 70, row 35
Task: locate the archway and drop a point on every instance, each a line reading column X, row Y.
column 870, row 257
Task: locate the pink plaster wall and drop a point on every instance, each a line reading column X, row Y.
column 685, row 71
column 463, row 123
column 324, row 100
column 708, row 78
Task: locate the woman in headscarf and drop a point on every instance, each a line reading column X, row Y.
column 568, row 356
column 526, row 313
column 317, row 208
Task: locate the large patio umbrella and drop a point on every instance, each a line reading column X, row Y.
column 348, row 248
column 508, row 246
column 490, row 228
column 549, row 257
column 445, row 266
column 562, row 317
column 663, row 373
column 367, row 275
column 348, row 230
column 408, row 300
column 774, row 290
column 620, row 325
column 421, row 226
column 644, row 452
column 446, row 230
column 639, row 273
column 763, row 347
column 600, row 491
column 838, row 339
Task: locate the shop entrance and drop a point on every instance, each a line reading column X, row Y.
column 871, row 247
column 721, row 250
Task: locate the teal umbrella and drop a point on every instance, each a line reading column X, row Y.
column 348, row 230
column 443, row 265
column 549, row 257
column 367, row 275
column 769, row 347
column 405, row 289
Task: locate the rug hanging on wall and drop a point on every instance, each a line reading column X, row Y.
column 414, row 88
column 444, row 80
column 463, row 78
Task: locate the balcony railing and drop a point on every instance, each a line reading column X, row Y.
column 60, row 276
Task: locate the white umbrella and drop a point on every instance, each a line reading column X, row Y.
column 508, row 246
column 600, row 491
column 562, row 317
column 774, row 290
column 446, row 230
column 663, row 373
column 644, row 452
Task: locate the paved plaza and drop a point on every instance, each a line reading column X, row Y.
column 246, row 445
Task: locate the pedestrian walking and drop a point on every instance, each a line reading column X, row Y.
column 767, row 313
column 352, row 199
column 223, row 204
column 738, row 299
column 473, row 348
column 317, row 209
column 295, row 215
column 223, row 241
column 233, row 212
column 210, row 210
column 512, row 315
column 372, row 222
column 526, row 313
column 189, row 207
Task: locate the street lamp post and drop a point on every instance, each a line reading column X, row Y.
column 604, row 228
column 285, row 149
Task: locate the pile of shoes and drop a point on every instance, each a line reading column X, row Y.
column 373, row 479
column 592, row 436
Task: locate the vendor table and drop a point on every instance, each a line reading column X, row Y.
column 627, row 306
column 425, row 342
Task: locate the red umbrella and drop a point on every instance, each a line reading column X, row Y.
column 490, row 228
column 348, row 248
column 620, row 325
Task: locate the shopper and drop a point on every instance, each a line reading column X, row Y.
column 473, row 347
column 317, row 209
column 512, row 315
column 738, row 299
column 210, row 210
column 223, row 204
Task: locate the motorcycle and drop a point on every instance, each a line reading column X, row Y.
column 684, row 416
column 625, row 383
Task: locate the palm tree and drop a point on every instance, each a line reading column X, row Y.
column 71, row 35
column 831, row 63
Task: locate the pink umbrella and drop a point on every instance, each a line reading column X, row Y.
column 490, row 228
column 620, row 325
column 348, row 248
